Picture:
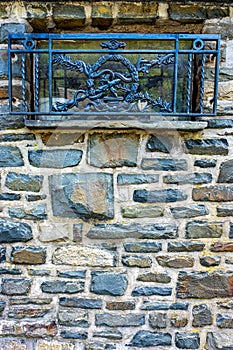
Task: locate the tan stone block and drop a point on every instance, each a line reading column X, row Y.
column 53, row 345
column 50, row 231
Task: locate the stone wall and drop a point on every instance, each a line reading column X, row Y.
column 117, row 238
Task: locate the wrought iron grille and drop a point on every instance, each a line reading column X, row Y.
column 113, row 76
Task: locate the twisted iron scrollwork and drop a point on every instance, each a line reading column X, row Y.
column 113, row 91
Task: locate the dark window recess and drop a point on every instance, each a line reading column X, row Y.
column 113, row 76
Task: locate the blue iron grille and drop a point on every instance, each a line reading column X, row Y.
column 113, row 76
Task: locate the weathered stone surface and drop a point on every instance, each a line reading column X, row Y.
column 6, row 271
column 141, row 261
column 81, row 303
column 108, row 283
column 62, row 287
column 205, row 163
column 77, row 232
column 8, row 122
column 196, row 12
column 2, row 254
column 37, row 212
column 154, row 277
column 146, row 291
column 28, row 255
column 53, row 231
column 88, row 195
column 191, row 178
column 189, row 211
column 207, row 146
column 40, row 272
column 204, row 285
column 118, row 231
column 102, row 15
column 108, row 334
column 164, row 164
column 159, row 144
column 156, row 196
column 178, row 321
column 10, row 156
column 10, row 196
column 175, row 262
column 35, row 197
column 153, row 305
column 100, row 346
column 58, row 138
column 219, row 193
column 113, row 150
column 83, row 256
column 119, row 320
column 183, row 246
column 24, row 182
column 13, row 286
column 136, row 179
column 158, row 320
column 120, row 305
column 231, row 231
column 222, row 247
column 225, row 305
column 57, row 158
column 72, row 17
column 72, row 274
column 12, row 231
column 204, row 229
column 225, row 210
column 135, row 13
column 10, row 28
column 17, row 137
column 67, row 334
column 142, row 211
column 222, row 123
column 145, row 338
column 210, row 261
column 219, row 341
column 224, row 321
column 226, row 172
column 27, row 312
column 187, row 340
column 72, row 318
column 28, row 330
column 53, row 345
column 27, row 301
column 143, row 247
column 2, row 305
column 202, row 316
column 9, row 344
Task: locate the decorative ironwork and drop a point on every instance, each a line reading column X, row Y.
column 113, row 44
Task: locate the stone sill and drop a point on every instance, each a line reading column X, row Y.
column 179, row 125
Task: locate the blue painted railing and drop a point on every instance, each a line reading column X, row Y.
column 113, row 75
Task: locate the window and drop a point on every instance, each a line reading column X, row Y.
column 114, row 76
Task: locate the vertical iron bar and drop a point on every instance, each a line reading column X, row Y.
column 23, row 83
column 32, row 90
column 37, row 82
column 175, row 74
column 202, row 82
column 188, row 97
column 217, row 64
column 10, row 75
column 50, row 75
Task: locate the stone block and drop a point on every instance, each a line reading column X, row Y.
column 28, row 330
column 53, row 232
column 147, row 291
column 37, row 212
column 136, row 179
column 141, row 261
column 108, row 283
column 196, row 12
column 205, row 163
column 6, row 271
column 24, row 182
column 175, row 262
column 37, row 16
column 169, row 195
column 87, row 195
column 145, row 338
column 108, row 334
column 72, row 274
column 56, row 158
column 142, row 211
column 10, row 156
column 12, row 231
column 192, row 178
column 183, row 246
column 219, row 341
column 58, row 138
column 9, row 122
column 159, row 144
column 226, row 172
column 120, row 305
column 153, row 305
column 224, row 321
column 17, row 137
column 2, row 254
column 178, row 321
column 187, row 340
column 28, row 255
column 222, row 247
column 205, row 285
column 121, row 231
column 113, row 150
column 204, row 229
column 11, row 28
column 71, row 318
column 81, row 303
column 13, row 286
column 202, row 316
column 143, row 247
column 62, row 287
column 207, row 146
column 53, row 345
column 154, row 277
column 27, row 312
column 189, row 211
column 10, row 196
column 67, row 334
column 131, row 13
column 218, row 193
column 164, row 164
column 102, row 15
column 16, row 344
column 83, row 256
column 225, row 210
column 157, row 320
column 119, row 320
column 28, row 301
column 39, row 272
column 208, row 261
column 69, row 17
